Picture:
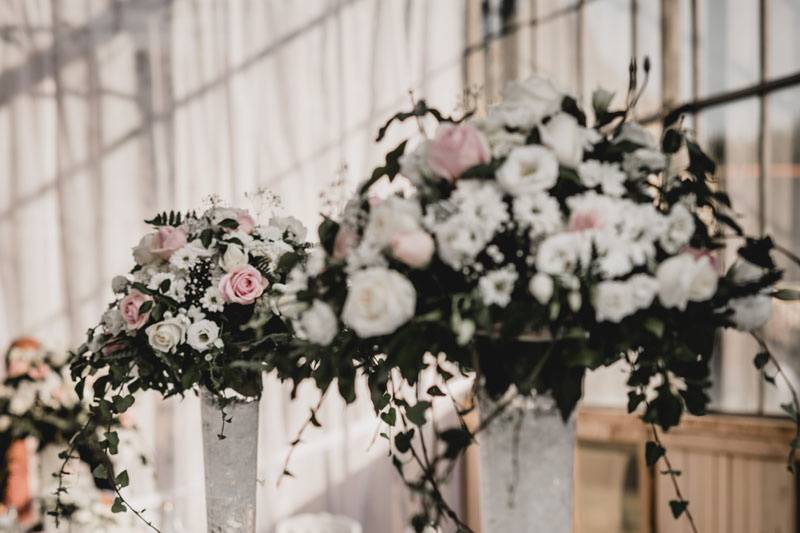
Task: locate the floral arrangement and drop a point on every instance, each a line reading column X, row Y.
column 37, row 401
column 529, row 246
column 178, row 320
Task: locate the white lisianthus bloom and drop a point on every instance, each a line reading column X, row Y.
column 540, row 214
column 290, row 227
column 608, row 176
column 202, row 334
column 636, row 134
column 528, row 170
column 567, row 139
column 165, row 336
column 613, row 301
column 563, row 253
column 233, row 257
column 541, row 287
column 642, row 162
column 379, row 301
column 683, row 278
column 389, row 218
column 496, row 286
column 679, row 229
column 212, row 301
column 751, row 312
column 319, row 323
column 644, row 289
column 113, row 322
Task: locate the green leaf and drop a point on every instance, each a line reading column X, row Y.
column 112, row 440
column 122, row 480
column 634, row 399
column 787, row 294
column 456, row 439
column 678, row 507
column 760, row 360
column 146, row 306
column 790, row 410
column 435, row 391
column 229, row 223
column 123, row 403
column 653, row 452
column 654, row 326
column 402, row 441
column 416, row 413
column 100, row 472
column 327, row 231
column 390, row 416
column 390, row 169
column 313, row 419
column 119, row 506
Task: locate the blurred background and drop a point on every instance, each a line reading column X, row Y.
column 111, row 110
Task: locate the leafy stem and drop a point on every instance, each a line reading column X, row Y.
column 681, row 505
column 312, row 419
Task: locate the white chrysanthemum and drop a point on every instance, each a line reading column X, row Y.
column 679, row 229
column 459, row 242
column 496, row 286
column 202, row 334
column 563, row 253
column 540, row 214
column 378, row 302
column 613, row 301
column 528, row 170
column 608, row 176
column 642, row 162
column 184, row 258
column 319, row 323
column 212, row 301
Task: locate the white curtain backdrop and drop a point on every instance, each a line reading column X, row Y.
column 111, row 110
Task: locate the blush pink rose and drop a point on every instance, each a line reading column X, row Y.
column 698, row 254
column 414, row 248
column 456, row 148
column 346, row 239
column 246, row 222
column 242, row 285
column 129, row 307
column 585, row 221
column 167, row 240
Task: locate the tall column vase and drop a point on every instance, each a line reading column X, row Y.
column 230, row 465
column 526, row 462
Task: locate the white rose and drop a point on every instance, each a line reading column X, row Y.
column 119, row 284
column 751, row 312
column 567, row 138
column 113, row 321
column 319, row 323
column 165, row 336
column 233, row 257
column 379, row 301
column 683, row 278
column 389, row 218
column 613, row 301
column 291, row 227
column 541, row 287
column 202, row 335
column 679, row 230
column 142, row 253
column 528, row 170
column 644, row 289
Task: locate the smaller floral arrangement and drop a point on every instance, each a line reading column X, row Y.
column 183, row 318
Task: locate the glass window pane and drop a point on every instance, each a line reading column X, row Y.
column 607, row 22
column 729, row 44
column 782, row 212
column 730, row 134
column 783, row 39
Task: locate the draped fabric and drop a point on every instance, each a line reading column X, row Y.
column 111, row 110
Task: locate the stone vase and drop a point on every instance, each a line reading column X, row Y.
column 230, row 465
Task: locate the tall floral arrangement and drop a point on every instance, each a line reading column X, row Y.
column 177, row 322
column 536, row 244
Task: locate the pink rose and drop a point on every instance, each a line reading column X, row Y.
column 456, row 148
column 129, row 307
column 699, row 253
column 246, row 222
column 414, row 248
column 242, row 285
column 167, row 240
column 18, row 367
column 346, row 239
